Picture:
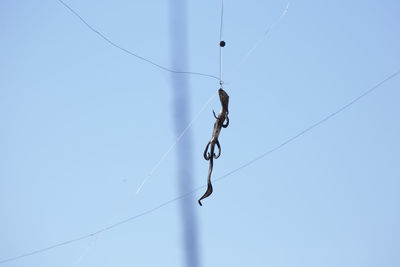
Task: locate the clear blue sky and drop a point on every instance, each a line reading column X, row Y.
column 82, row 124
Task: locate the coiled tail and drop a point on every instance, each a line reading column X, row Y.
column 210, row 157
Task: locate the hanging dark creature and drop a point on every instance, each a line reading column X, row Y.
column 221, row 121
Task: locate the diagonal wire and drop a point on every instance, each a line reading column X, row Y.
column 174, row 144
column 97, row 232
column 245, row 165
column 265, row 34
column 128, row 51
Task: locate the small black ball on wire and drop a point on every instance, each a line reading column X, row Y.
column 222, row 43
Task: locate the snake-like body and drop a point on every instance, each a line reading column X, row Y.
column 218, row 125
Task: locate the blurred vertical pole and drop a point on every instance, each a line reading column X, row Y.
column 181, row 111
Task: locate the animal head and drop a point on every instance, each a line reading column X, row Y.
column 224, row 98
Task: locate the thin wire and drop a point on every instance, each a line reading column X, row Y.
column 97, row 232
column 369, row 91
column 174, row 144
column 129, row 52
column 86, row 251
column 220, row 39
column 266, row 32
